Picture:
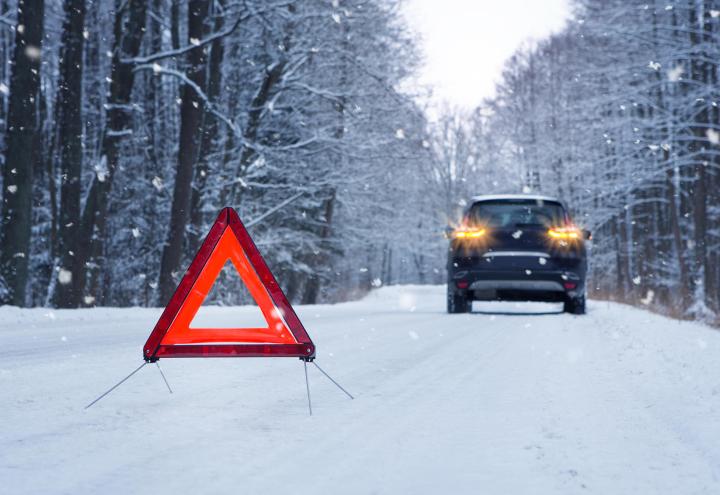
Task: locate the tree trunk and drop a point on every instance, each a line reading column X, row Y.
column 712, row 273
column 129, row 28
column 207, row 144
column 697, row 149
column 22, row 128
column 678, row 244
column 191, row 114
column 67, row 292
column 312, row 286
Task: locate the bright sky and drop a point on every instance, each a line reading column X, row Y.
column 466, row 42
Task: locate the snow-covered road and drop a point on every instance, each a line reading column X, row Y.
column 510, row 399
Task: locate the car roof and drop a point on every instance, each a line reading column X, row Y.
column 492, row 197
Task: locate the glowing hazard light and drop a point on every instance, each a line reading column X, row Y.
column 284, row 335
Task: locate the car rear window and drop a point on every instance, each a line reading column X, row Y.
column 516, row 213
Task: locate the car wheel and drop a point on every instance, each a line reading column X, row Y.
column 457, row 303
column 575, row 306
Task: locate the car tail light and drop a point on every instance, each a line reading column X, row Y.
column 468, row 234
column 462, row 284
column 565, row 233
column 569, row 285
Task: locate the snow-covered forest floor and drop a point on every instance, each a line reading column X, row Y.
column 514, row 398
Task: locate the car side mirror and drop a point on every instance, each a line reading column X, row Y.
column 587, row 235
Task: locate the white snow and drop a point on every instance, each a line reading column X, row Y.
column 511, row 399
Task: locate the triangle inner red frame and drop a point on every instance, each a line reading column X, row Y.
column 284, row 336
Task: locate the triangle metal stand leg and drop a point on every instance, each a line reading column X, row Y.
column 118, row 384
column 163, row 376
column 330, row 378
column 307, row 385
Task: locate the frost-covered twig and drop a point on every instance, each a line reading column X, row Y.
column 147, row 59
column 209, row 106
column 5, row 19
column 272, row 210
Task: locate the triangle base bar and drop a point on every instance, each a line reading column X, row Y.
column 303, row 351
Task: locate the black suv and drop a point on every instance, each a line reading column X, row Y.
column 516, row 248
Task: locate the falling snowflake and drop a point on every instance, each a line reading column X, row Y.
column 400, row 134
column 713, row 136
column 654, row 65
column 12, row 189
column 101, row 169
column 158, row 183
column 64, row 276
column 406, row 300
column 675, row 74
column 648, row 297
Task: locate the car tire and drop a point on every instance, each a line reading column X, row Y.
column 457, row 303
column 575, row 305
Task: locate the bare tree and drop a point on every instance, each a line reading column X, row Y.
column 21, row 152
column 70, row 141
column 191, row 118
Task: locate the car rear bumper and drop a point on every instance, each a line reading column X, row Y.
column 541, row 285
column 518, row 284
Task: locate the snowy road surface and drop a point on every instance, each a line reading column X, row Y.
column 510, row 399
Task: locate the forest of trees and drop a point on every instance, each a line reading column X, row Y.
column 127, row 125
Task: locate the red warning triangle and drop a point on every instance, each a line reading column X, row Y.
column 284, row 335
